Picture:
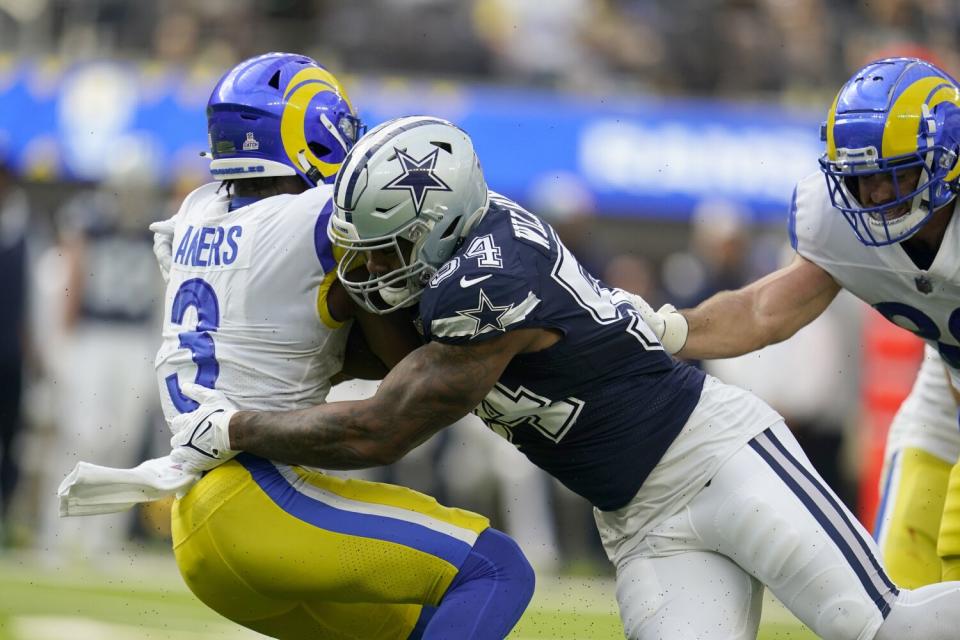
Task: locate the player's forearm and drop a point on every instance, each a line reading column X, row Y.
column 724, row 326
column 341, row 435
column 431, row 388
column 764, row 312
column 414, row 401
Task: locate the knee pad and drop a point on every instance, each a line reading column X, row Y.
column 766, row 540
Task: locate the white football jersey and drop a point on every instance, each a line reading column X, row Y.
column 925, row 302
column 245, row 308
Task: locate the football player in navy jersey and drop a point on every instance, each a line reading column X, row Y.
column 702, row 497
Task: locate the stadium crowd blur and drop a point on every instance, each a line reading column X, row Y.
column 720, row 47
column 775, row 51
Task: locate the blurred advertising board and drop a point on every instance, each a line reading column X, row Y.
column 624, row 155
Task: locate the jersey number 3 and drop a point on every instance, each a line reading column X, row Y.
column 200, row 295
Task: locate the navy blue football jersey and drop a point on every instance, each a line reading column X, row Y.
column 598, row 409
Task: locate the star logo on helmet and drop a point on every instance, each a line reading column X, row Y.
column 418, row 177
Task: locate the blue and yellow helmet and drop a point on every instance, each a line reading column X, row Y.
column 893, row 116
column 280, row 114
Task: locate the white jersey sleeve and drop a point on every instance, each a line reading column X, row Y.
column 242, row 311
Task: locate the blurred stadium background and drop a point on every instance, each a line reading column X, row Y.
column 661, row 137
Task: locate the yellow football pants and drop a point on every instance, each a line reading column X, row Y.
column 948, row 545
column 916, row 500
column 297, row 554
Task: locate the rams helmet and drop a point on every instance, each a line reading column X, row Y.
column 280, row 114
column 892, row 120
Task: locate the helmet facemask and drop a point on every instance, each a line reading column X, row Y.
column 394, row 290
column 910, row 206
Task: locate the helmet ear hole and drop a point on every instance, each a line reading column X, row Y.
column 275, row 80
column 449, row 231
column 318, row 149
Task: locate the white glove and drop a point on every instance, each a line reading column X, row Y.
column 667, row 323
column 163, row 244
column 675, row 328
column 201, row 438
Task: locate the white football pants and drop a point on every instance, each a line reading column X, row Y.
column 766, row 518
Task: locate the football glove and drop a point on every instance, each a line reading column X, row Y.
column 163, row 245
column 201, row 438
column 667, row 323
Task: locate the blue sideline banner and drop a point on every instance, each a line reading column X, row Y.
column 619, row 155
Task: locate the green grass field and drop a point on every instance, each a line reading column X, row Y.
column 143, row 598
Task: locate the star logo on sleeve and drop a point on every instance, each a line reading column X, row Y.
column 418, row 177
column 487, row 315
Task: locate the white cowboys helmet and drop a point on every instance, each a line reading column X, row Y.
column 415, row 179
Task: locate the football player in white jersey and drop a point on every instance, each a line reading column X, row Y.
column 881, row 226
column 253, row 309
column 702, row 496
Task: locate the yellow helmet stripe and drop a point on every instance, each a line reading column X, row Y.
column 903, row 122
column 831, row 119
column 292, row 126
column 316, row 73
